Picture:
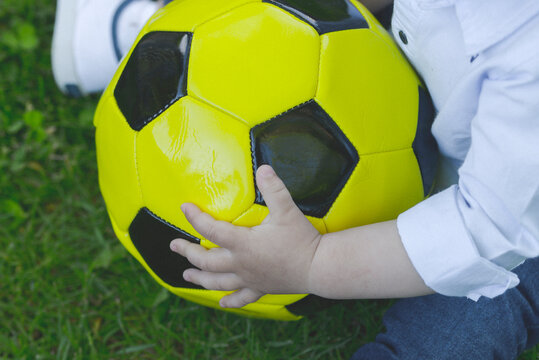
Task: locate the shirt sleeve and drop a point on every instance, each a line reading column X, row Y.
column 465, row 240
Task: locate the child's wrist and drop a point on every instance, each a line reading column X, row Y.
column 314, row 280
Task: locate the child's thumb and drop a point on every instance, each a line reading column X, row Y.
column 274, row 191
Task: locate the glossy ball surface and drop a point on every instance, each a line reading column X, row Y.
column 213, row 89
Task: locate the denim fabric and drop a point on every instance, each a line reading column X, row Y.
column 441, row 327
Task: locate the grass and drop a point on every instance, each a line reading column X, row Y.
column 68, row 290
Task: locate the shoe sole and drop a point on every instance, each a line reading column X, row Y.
column 63, row 63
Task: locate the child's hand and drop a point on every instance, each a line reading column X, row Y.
column 273, row 257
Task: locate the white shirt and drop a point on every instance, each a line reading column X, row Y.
column 480, row 62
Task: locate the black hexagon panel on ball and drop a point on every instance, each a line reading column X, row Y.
column 154, row 77
column 309, row 152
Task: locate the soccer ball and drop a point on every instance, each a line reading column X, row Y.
column 213, row 89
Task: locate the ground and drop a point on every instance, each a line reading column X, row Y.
column 68, row 290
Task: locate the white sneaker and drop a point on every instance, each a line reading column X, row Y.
column 90, row 37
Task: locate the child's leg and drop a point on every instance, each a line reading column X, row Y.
column 440, row 327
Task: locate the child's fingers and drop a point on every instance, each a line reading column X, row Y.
column 214, row 260
column 240, row 298
column 275, row 194
column 213, row 281
column 221, row 233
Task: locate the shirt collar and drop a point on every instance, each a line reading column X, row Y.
column 487, row 22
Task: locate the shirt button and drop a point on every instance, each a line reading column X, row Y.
column 403, row 37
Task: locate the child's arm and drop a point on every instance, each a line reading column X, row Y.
column 286, row 254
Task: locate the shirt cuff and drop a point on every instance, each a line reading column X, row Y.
column 443, row 252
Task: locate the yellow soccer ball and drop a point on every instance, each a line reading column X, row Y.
column 213, row 89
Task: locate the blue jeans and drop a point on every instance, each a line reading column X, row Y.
column 442, row 327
